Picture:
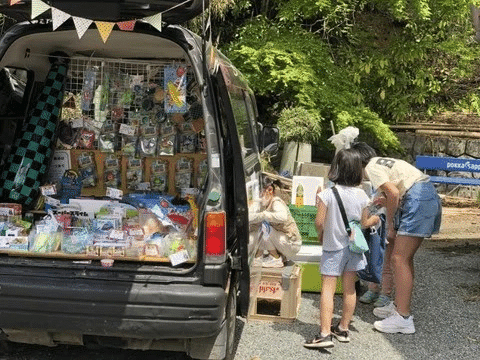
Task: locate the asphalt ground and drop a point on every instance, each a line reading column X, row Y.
column 446, row 308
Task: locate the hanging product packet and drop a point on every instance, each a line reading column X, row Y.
column 148, row 140
column 87, row 169
column 183, row 174
column 88, row 88
column 167, row 140
column 134, row 172
column 112, row 171
column 159, row 175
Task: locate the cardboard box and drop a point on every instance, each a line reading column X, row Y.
column 277, row 295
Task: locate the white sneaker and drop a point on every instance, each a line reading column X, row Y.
column 272, row 262
column 395, row 323
column 385, row 311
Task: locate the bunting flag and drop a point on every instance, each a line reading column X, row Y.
column 155, row 21
column 38, row 7
column 126, row 25
column 13, row 2
column 81, row 25
column 105, row 29
column 58, row 17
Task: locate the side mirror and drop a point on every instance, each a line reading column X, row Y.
column 269, row 139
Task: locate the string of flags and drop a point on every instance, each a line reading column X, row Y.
column 81, row 24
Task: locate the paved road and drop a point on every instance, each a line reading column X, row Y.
column 446, row 307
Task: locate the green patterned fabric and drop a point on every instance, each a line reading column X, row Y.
column 31, row 153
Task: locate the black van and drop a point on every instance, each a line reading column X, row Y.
column 97, row 101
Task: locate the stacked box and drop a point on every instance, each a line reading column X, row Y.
column 304, row 216
column 309, row 258
column 276, row 297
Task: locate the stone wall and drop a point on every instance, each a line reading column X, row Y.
column 443, row 146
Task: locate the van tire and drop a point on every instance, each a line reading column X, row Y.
column 231, row 321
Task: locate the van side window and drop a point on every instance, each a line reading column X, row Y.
column 13, row 83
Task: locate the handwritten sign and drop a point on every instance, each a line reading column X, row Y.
column 270, row 290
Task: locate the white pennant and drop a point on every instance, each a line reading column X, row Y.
column 155, row 21
column 81, row 25
column 38, row 7
column 58, row 17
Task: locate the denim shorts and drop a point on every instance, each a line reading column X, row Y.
column 335, row 263
column 420, row 212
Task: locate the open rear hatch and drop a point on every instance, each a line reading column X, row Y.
column 173, row 11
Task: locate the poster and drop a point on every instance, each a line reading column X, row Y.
column 304, row 189
column 175, row 85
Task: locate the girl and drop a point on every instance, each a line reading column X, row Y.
column 414, row 211
column 337, row 259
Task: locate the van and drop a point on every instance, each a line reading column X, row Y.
column 130, row 155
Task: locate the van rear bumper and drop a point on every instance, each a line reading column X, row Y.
column 111, row 308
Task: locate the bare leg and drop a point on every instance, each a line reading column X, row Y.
column 387, row 273
column 349, row 298
column 329, row 284
column 402, row 259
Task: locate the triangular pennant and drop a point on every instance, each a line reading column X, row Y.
column 104, row 28
column 13, row 2
column 81, row 25
column 155, row 21
column 38, row 7
column 126, row 25
column 58, row 17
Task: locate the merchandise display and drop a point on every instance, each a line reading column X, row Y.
column 134, row 134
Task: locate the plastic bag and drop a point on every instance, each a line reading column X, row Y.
column 344, row 138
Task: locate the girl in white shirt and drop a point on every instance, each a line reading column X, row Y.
column 337, row 259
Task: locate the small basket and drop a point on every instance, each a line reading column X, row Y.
column 304, row 216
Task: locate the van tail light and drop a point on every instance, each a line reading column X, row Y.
column 215, row 236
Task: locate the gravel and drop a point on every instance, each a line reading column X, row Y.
column 446, row 306
column 447, row 322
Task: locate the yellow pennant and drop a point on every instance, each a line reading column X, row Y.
column 105, row 29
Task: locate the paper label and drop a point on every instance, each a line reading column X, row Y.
column 51, row 201
column 114, row 193
column 48, row 190
column 116, row 234
column 127, row 130
column 179, row 257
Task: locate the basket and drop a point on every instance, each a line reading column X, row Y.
column 304, row 216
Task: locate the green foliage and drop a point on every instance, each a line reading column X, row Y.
column 299, row 125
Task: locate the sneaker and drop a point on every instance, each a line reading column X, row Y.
column 382, row 301
column 395, row 323
column 384, row 311
column 368, row 297
column 272, row 262
column 258, row 261
column 341, row 335
column 319, row 342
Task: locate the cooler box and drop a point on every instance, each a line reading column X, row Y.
column 309, row 259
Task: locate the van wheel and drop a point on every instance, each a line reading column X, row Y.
column 231, row 319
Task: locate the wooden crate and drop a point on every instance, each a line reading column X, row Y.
column 270, row 301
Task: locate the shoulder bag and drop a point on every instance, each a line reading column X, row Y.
column 359, row 244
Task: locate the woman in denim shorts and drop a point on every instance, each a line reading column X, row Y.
column 413, row 212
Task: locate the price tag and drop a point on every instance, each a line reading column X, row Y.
column 116, row 234
column 114, row 193
column 144, row 186
column 135, row 232
column 77, row 123
column 51, row 201
column 48, row 190
column 127, row 130
column 179, row 257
